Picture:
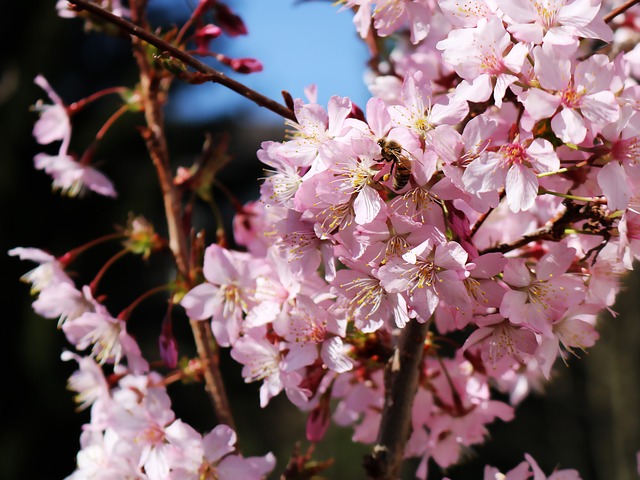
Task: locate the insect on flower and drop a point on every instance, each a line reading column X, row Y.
column 392, row 152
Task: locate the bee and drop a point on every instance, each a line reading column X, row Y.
column 392, row 152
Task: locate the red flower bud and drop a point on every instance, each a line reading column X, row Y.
column 231, row 23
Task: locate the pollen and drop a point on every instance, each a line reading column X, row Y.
column 424, row 276
column 366, row 293
column 514, row 153
column 571, row 98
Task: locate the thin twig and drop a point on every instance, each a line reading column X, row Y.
column 210, row 360
column 189, row 60
column 621, row 9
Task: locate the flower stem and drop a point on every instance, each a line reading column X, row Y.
column 96, row 280
column 80, row 104
column 621, row 9
column 68, row 257
column 574, row 197
column 126, row 313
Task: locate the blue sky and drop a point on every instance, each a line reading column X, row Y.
column 298, row 44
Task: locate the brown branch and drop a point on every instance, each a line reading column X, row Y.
column 153, row 88
column 555, row 231
column 401, row 383
column 210, row 361
column 621, row 9
column 544, row 233
column 189, row 60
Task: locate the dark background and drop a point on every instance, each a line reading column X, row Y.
column 587, row 420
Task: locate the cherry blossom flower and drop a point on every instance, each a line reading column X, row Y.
column 262, row 361
column 524, row 470
column 113, row 6
column 54, row 122
column 390, row 15
column 469, row 13
column 66, row 302
column 558, row 22
column 88, row 382
column 367, row 303
column 218, row 460
column 423, row 273
column 314, row 125
column 576, row 101
column 108, row 339
column 71, row 177
column 420, row 113
column 514, row 166
column 227, row 293
column 484, row 55
column 535, row 300
column 49, row 272
column 103, row 457
column 309, row 325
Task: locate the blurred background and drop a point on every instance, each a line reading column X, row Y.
column 588, row 418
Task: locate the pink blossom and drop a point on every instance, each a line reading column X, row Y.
column 309, row 325
column 283, row 181
column 314, row 125
column 227, row 293
column 514, row 167
column 536, row 300
column 49, row 272
column 556, row 475
column 71, row 177
column 420, row 113
column 458, row 151
column 65, row 302
column 262, row 361
column 390, row 15
column 573, row 331
column 361, row 402
column 108, row 339
column 349, row 178
column 103, row 456
column 367, row 303
column 218, row 460
column 427, row 273
column 54, row 122
column 576, row 101
column 469, row 13
column 88, row 382
column 484, row 55
column 502, row 343
column 558, row 21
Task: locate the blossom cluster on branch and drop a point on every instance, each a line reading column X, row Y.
column 487, row 191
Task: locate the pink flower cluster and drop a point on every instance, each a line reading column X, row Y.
column 85, row 320
column 526, row 469
column 69, row 176
column 489, row 189
column 494, row 198
column 135, row 434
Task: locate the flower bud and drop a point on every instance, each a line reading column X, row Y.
column 231, row 23
column 241, row 65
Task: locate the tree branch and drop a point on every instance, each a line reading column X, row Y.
column 401, row 383
column 153, row 87
column 189, row 60
column 621, row 9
